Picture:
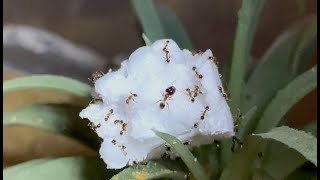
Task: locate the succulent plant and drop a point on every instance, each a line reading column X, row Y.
column 259, row 144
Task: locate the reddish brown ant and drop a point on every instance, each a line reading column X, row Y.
column 190, row 94
column 95, row 76
column 204, row 112
column 196, row 91
column 118, row 121
column 169, row 92
column 195, row 70
column 165, row 50
column 95, row 100
column 94, row 127
column 131, row 97
column 199, row 52
column 195, row 125
column 214, row 59
column 114, row 142
column 124, row 128
column 108, row 115
column 226, row 95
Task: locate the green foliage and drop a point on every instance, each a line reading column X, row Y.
column 275, row 69
column 173, row 27
column 279, row 160
column 81, row 168
column 247, row 20
column 304, row 143
column 49, row 81
column 55, row 118
column 187, row 157
column 152, row 170
column 149, row 19
column 278, row 82
column 286, row 98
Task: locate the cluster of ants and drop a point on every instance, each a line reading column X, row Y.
column 169, row 92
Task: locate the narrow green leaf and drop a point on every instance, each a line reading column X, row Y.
column 274, row 69
column 244, row 161
column 173, row 28
column 247, row 124
column 56, row 118
column 302, row 142
column 311, row 127
column 187, row 157
column 303, row 51
column 248, row 16
column 149, row 19
column 286, row 98
column 279, row 160
column 48, row 81
column 80, row 168
column 152, row 170
column 146, row 40
column 247, row 19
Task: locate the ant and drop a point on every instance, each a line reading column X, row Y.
column 94, row 127
column 236, row 141
column 131, row 97
column 195, row 93
column 95, row 100
column 169, row 92
column 195, row 125
column 239, row 117
column 124, row 128
column 118, row 122
column 95, row 76
column 114, row 142
column 187, row 143
column 190, row 94
column 214, row 59
column 165, row 50
column 197, row 52
column 226, row 95
column 108, row 115
column 204, row 112
column 199, row 75
column 122, row 147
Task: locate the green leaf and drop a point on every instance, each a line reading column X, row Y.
column 247, row 19
column 49, row 81
column 80, row 168
column 173, row 27
column 149, row 19
column 187, row 157
column 146, row 40
column 244, row 161
column 152, row 170
column 286, row 98
column 247, row 124
column 279, row 160
column 303, row 51
column 56, row 118
column 274, row 69
column 311, row 127
column 302, row 142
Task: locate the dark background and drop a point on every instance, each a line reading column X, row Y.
column 111, row 28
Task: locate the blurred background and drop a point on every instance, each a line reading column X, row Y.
column 77, row 37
